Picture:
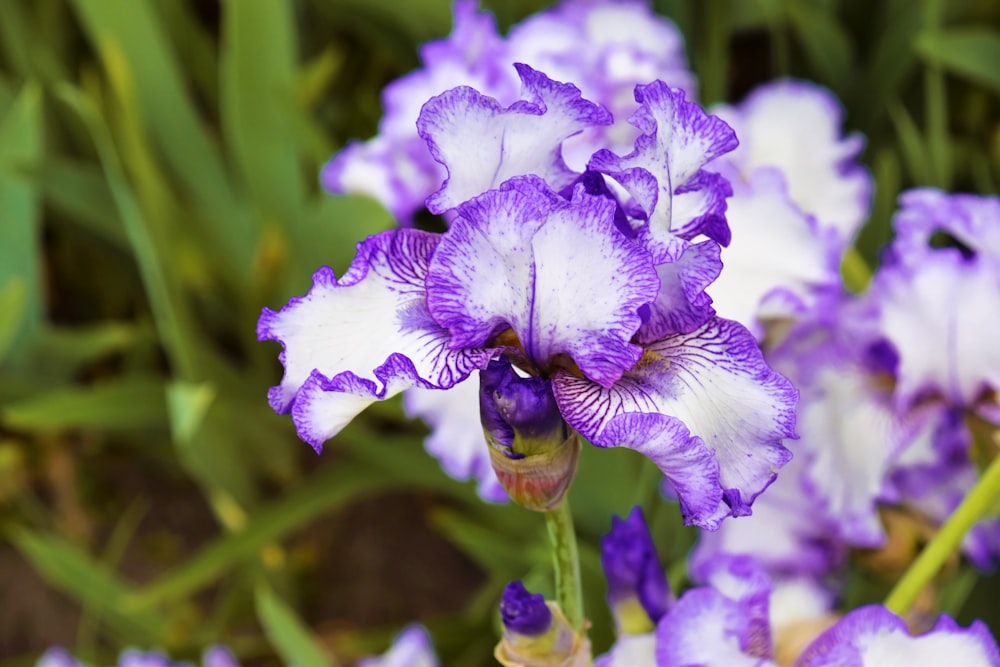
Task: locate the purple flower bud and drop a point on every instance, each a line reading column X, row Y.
column 633, row 571
column 519, row 414
column 524, row 613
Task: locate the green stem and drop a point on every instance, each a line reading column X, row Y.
column 946, row 542
column 569, row 592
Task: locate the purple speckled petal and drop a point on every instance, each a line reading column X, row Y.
column 682, row 304
column 873, row 636
column 678, row 138
column 716, row 382
column 371, row 325
column 707, row 627
column 456, row 437
column 558, row 273
column 779, row 249
column 941, row 317
column 690, row 466
column 482, row 144
column 795, row 126
column 411, row 648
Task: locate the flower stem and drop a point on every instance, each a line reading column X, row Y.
column 973, row 507
column 569, row 592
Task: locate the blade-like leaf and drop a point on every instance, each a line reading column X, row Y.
column 973, row 53
column 289, row 636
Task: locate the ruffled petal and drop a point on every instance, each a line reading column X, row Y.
column 716, row 382
column 796, row 127
column 456, row 437
column 558, row 273
column 941, row 317
column 690, row 466
column 370, row 326
column 682, row 305
column 482, row 144
column 782, row 261
column 873, row 636
column 972, row 220
column 678, row 138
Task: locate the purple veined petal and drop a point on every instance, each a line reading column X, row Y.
column 370, row 326
column 682, row 304
column 411, row 648
column 972, row 220
column 58, row 657
column 558, row 273
column 779, row 249
column 456, row 438
column 482, row 144
column 940, row 317
column 717, row 383
column 678, row 138
column 708, row 629
column 795, row 126
column 630, row 651
column 690, row 466
column 873, row 636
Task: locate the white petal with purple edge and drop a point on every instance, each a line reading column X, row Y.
column 371, row 325
column 873, row 636
column 481, row 144
column 796, row 127
column 682, row 304
column 630, row 651
column 778, row 248
column 973, row 220
column 678, row 138
column 558, row 273
column 411, row 648
column 456, row 437
column 716, row 382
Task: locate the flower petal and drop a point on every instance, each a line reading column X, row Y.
column 411, row 648
column 482, row 144
column 873, row 636
column 558, row 273
column 678, row 138
column 372, row 324
column 456, row 437
column 682, row 304
column 716, row 382
column 972, row 220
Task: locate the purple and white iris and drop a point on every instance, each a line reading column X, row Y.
column 593, row 281
column 411, row 648
column 216, row 656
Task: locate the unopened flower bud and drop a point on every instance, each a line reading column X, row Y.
column 533, row 452
column 638, row 592
column 536, row 634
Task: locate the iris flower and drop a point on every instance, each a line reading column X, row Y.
column 593, row 282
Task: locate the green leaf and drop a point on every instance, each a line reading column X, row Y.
column 68, row 569
column 826, row 43
column 141, row 62
column 258, row 103
column 80, row 191
column 187, row 404
column 911, row 144
column 65, row 349
column 119, row 404
column 13, row 300
column 21, row 144
column 289, row 636
column 973, row 53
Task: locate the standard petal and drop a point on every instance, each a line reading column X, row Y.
column 372, row 324
column 682, row 305
column 678, row 138
column 716, row 382
column 972, row 220
column 558, row 273
column 456, row 437
column 482, row 144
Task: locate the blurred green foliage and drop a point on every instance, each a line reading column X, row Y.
column 158, row 186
